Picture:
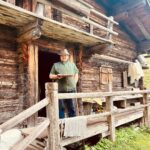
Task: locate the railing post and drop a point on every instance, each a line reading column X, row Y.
column 111, row 119
column 146, row 117
column 110, row 26
column 53, row 115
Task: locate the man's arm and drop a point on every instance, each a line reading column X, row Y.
column 55, row 76
column 76, row 77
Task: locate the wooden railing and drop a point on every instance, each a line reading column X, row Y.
column 96, row 122
column 44, row 8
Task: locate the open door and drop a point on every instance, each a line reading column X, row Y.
column 46, row 61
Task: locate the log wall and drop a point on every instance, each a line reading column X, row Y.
column 14, row 63
column 124, row 48
column 9, row 96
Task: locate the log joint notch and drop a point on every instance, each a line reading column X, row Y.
column 30, row 32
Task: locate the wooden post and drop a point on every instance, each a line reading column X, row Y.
column 125, row 82
column 53, row 115
column 40, row 9
column 91, row 29
column 110, row 26
column 48, row 11
column 111, row 119
column 33, row 78
column 146, row 117
column 34, row 4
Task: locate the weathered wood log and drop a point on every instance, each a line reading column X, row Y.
column 31, row 35
column 108, row 58
column 99, row 94
column 24, row 115
column 101, row 47
column 76, row 6
column 33, row 135
column 121, row 16
column 33, row 86
column 144, row 46
column 111, row 119
column 53, row 115
column 146, row 117
column 30, row 32
column 128, row 6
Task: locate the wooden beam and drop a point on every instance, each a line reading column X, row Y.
column 76, row 6
column 23, row 115
column 144, row 46
column 121, row 16
column 129, row 31
column 30, row 32
column 141, row 26
column 33, row 135
column 129, row 5
column 100, row 48
column 111, row 59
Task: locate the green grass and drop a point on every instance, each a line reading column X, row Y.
column 147, row 75
column 126, row 139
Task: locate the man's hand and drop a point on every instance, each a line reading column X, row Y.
column 55, row 76
column 59, row 76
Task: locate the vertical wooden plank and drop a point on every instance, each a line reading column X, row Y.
column 146, row 117
column 91, row 29
column 33, row 78
column 27, row 5
column 53, row 115
column 34, row 5
column 36, row 73
column 71, row 51
column 48, row 11
column 40, row 9
column 125, row 82
column 111, row 119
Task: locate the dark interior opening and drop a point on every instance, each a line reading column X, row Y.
column 46, row 61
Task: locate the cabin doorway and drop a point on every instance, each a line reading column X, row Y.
column 46, row 61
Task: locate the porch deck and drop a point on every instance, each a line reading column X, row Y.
column 102, row 123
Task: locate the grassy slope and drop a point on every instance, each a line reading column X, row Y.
column 127, row 139
column 147, row 76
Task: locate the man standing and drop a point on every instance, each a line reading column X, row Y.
column 66, row 73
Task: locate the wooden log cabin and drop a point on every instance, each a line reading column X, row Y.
column 32, row 32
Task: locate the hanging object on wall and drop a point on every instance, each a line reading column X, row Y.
column 106, row 77
column 135, row 72
column 143, row 62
